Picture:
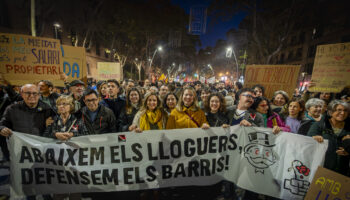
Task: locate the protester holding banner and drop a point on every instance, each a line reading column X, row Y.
column 151, row 116
column 242, row 114
column 132, row 106
column 27, row 116
column 66, row 124
column 294, row 114
column 333, row 127
column 216, row 110
column 313, row 114
column 169, row 102
column 98, row 119
column 271, row 119
column 187, row 114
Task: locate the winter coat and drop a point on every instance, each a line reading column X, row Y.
column 116, row 105
column 125, row 120
column 179, row 119
column 276, row 119
column 217, row 119
column 52, row 98
column 332, row 161
column 78, row 128
column 104, row 122
column 253, row 117
column 19, row 117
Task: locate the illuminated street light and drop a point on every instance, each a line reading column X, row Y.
column 57, row 26
column 229, row 51
column 155, row 51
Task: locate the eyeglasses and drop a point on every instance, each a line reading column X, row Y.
column 248, row 95
column 91, row 100
column 31, row 93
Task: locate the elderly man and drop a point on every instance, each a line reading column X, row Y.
column 27, row 116
column 77, row 88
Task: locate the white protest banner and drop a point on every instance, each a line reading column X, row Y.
column 211, row 80
column 280, row 165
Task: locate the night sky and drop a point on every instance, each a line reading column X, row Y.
column 215, row 30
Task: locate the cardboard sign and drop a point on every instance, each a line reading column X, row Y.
column 27, row 59
column 272, row 77
column 109, row 70
column 328, row 185
column 73, row 63
column 331, row 70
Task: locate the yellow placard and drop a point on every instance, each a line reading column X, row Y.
column 331, row 69
column 109, row 70
column 272, row 77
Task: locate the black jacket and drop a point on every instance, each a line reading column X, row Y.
column 116, row 105
column 217, row 119
column 125, row 120
column 104, row 122
column 52, row 98
column 19, row 117
column 332, row 161
column 78, row 128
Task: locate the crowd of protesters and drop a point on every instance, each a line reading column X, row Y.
column 109, row 106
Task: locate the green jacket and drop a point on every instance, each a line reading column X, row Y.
column 333, row 161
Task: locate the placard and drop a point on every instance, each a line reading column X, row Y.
column 109, row 70
column 272, row 77
column 331, row 69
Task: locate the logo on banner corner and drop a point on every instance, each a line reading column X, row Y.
column 297, row 185
column 259, row 152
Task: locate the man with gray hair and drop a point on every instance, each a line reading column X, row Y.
column 27, row 116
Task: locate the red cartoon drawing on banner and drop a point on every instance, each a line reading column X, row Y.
column 298, row 185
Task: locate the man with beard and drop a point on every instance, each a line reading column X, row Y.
column 222, row 89
column 242, row 114
column 77, row 89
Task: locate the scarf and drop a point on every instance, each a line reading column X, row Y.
column 150, row 117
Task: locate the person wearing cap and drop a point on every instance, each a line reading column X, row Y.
column 77, row 88
column 115, row 102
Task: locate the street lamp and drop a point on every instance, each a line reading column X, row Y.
column 57, row 26
column 155, row 51
column 229, row 51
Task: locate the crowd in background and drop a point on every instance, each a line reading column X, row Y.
column 109, row 106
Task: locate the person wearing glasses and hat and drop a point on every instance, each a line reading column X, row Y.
column 77, row 88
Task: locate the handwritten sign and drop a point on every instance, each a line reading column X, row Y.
column 329, row 185
column 331, row 70
column 28, row 59
column 272, row 77
column 109, row 70
column 73, row 62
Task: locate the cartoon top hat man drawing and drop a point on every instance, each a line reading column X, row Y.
column 259, row 151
